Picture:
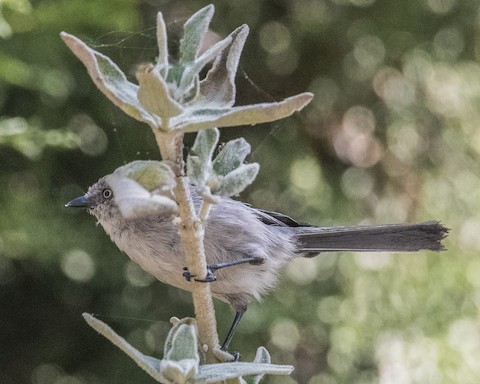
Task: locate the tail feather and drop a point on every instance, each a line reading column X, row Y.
column 391, row 237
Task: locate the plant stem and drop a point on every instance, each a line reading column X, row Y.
column 204, row 211
column 191, row 233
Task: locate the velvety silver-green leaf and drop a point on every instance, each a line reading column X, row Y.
column 210, row 373
column 237, row 180
column 150, row 174
column 231, row 156
column 194, row 30
column 192, row 70
column 205, row 143
column 197, row 119
column 262, row 357
column 134, row 201
column 162, row 42
column 196, row 171
column 154, row 95
column 199, row 159
column 184, row 344
column 192, row 93
column 177, row 372
column 176, row 324
column 147, row 363
column 218, row 88
column 110, row 80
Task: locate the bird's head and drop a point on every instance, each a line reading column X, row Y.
column 137, row 189
column 99, row 200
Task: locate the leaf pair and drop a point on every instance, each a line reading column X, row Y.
column 181, row 361
column 171, row 96
column 226, row 175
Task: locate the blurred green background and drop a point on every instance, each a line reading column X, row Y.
column 391, row 136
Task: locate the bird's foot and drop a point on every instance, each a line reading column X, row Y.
column 257, row 260
column 235, row 355
column 225, row 356
column 208, row 279
column 212, row 268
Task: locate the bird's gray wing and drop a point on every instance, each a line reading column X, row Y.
column 278, row 219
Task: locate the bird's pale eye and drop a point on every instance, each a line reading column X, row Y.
column 107, row 193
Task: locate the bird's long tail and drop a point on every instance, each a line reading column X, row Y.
column 391, row 237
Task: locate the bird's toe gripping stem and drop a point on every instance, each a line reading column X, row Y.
column 208, row 279
column 256, row 260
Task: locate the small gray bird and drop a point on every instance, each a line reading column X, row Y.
column 245, row 247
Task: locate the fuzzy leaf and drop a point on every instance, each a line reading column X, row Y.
column 262, row 357
column 231, row 156
column 147, row 363
column 194, row 30
column 199, row 160
column 196, row 170
column 110, row 80
column 183, row 370
column 218, row 87
column 210, row 373
column 176, row 324
column 134, row 201
column 195, row 120
column 183, row 344
column 177, row 372
column 153, row 93
column 191, row 71
column 162, row 42
column 150, row 174
column 237, row 180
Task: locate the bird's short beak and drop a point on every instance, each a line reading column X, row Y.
column 81, row 202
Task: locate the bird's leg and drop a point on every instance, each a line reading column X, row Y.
column 214, row 267
column 238, row 316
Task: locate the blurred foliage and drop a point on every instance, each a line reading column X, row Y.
column 391, row 136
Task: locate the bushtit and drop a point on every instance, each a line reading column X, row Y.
column 245, row 247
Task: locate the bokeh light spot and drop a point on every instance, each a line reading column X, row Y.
column 354, row 141
column 305, row 174
column 326, row 93
column 78, row 265
column 369, row 51
column 46, row 374
column 394, row 88
column 285, row 334
column 440, row 6
column 302, row 271
column 93, row 140
column 357, row 183
column 328, row 309
column 136, row 276
column 404, row 141
column 274, row 37
column 448, row 43
column 468, row 236
column 373, row 261
column 283, row 64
